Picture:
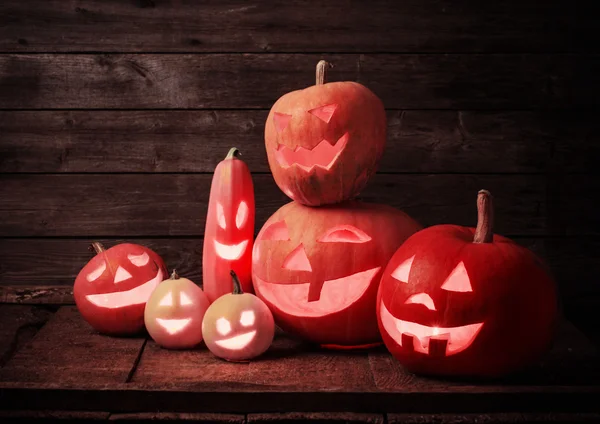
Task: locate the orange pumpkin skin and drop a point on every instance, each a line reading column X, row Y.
column 450, row 306
column 305, row 131
column 229, row 231
column 112, row 289
column 318, row 269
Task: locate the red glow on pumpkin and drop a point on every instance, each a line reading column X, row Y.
column 281, row 120
column 324, row 113
column 335, row 295
column 230, row 252
column 422, row 299
column 121, row 275
column 237, row 342
column 173, row 326
column 344, row 234
column 401, row 273
column 139, row 260
column 242, row 215
column 136, row 296
column 455, row 339
column 297, row 260
column 323, row 155
column 277, row 231
column 458, row 280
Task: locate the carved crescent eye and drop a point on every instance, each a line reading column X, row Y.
column 221, row 216
column 324, row 113
column 139, row 260
column 458, row 280
column 277, row 231
column 242, row 215
column 281, row 120
column 344, row 234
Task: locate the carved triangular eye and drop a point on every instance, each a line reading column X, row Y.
column 184, row 299
column 281, row 120
column 167, row 300
column 401, row 273
column 458, row 280
column 95, row 274
column 324, row 113
column 276, row 231
column 297, row 260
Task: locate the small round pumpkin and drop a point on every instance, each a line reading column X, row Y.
column 174, row 313
column 318, row 269
column 238, row 326
column 460, row 301
column 325, row 142
column 111, row 290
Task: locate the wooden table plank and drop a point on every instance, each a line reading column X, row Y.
column 234, row 25
column 18, row 325
column 403, row 81
column 502, row 418
column 316, row 417
column 69, row 352
column 167, row 417
column 145, row 205
column 288, row 364
column 195, row 141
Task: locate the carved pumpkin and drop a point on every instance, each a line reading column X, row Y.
column 111, row 290
column 174, row 313
column 238, row 326
column 229, row 229
column 318, row 269
column 466, row 302
column 325, row 142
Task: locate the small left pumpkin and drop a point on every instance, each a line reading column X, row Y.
column 112, row 289
column 174, row 313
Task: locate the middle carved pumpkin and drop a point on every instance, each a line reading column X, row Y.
column 318, row 269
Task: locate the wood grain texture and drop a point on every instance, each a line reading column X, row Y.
column 316, row 417
column 235, row 25
column 68, row 351
column 502, row 418
column 175, row 204
column 168, row 417
column 19, row 325
column 195, row 141
column 406, row 81
column 50, row 416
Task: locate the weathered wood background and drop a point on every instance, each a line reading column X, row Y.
column 113, row 114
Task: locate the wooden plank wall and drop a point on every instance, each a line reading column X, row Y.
column 113, row 115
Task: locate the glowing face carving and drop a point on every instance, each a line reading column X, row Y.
column 238, row 327
column 174, row 313
column 435, row 340
column 113, row 288
column 229, row 231
column 315, row 267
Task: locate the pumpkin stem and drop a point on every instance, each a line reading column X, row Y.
column 484, row 233
column 97, row 247
column 174, row 275
column 233, row 153
column 322, row 67
column 237, row 286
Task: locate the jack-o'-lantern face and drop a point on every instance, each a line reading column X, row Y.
column 118, row 281
column 318, row 266
column 227, row 229
column 432, row 335
column 324, row 142
column 174, row 313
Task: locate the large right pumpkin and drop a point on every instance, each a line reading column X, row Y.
column 318, row 269
column 465, row 302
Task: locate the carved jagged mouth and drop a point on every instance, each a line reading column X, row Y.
column 237, row 342
column 448, row 340
column 323, row 155
column 136, row 296
column 336, row 295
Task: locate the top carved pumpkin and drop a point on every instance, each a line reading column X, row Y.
column 325, row 142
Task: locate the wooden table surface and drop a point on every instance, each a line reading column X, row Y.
column 68, row 371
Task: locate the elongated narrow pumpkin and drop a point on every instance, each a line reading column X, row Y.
column 229, row 233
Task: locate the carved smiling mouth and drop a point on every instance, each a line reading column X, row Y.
column 237, row 342
column 336, row 295
column 323, row 155
column 456, row 339
column 136, row 296
column 231, row 252
column 173, row 326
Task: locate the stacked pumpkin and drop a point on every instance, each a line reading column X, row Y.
column 318, row 260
